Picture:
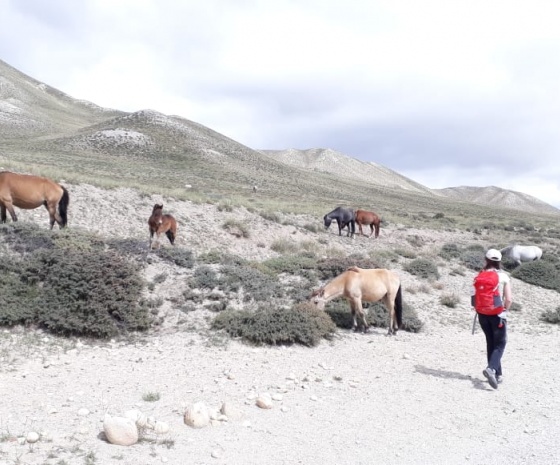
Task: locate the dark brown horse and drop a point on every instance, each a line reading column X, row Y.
column 29, row 192
column 162, row 224
column 365, row 218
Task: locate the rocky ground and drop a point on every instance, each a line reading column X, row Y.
column 358, row 399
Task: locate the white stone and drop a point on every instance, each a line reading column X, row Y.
column 196, row 415
column 83, row 412
column 264, row 401
column 120, row 431
column 32, row 437
column 161, row 427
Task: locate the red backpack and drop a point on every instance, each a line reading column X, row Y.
column 487, row 299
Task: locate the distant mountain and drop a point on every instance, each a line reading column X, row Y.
column 338, row 164
column 493, row 195
column 44, row 128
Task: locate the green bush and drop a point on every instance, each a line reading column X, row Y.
column 292, row 264
column 204, row 277
column 18, row 296
column 301, row 324
column 541, row 273
column 473, row 259
column 256, row 285
column 180, row 257
column 552, row 316
column 89, row 293
column 377, row 315
column 69, row 283
column 423, row 268
column 329, row 268
column 449, row 251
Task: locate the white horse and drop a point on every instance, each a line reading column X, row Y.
column 522, row 253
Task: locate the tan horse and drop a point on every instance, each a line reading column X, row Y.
column 162, row 224
column 29, row 192
column 359, row 285
column 365, row 218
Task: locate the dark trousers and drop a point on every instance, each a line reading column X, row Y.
column 495, row 330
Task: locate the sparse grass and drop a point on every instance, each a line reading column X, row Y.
column 151, row 396
column 284, row 246
column 236, row 228
column 450, row 300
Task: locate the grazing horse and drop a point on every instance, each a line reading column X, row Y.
column 365, row 218
column 29, row 192
column 367, row 285
column 344, row 218
column 160, row 224
column 522, row 253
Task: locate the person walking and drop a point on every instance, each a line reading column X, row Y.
column 492, row 299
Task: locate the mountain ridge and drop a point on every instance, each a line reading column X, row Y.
column 43, row 127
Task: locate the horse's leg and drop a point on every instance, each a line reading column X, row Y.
column 10, row 208
column 389, row 303
column 340, row 226
column 371, row 233
column 51, row 208
column 358, row 311
column 3, row 213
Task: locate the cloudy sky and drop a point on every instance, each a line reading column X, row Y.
column 446, row 92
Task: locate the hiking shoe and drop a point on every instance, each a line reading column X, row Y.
column 491, row 377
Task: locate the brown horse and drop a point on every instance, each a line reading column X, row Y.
column 367, row 285
column 365, row 218
column 29, row 192
column 160, row 224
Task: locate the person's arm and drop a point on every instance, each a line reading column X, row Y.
column 508, row 300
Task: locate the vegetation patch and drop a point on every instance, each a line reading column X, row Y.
column 301, row 324
column 422, row 268
column 71, row 285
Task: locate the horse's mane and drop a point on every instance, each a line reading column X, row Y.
column 354, row 268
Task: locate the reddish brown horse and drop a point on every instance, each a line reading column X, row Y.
column 359, row 285
column 365, row 218
column 162, row 224
column 29, row 192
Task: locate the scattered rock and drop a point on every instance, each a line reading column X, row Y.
column 196, row 415
column 32, row 437
column 264, row 401
column 120, row 431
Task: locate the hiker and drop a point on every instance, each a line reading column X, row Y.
column 491, row 300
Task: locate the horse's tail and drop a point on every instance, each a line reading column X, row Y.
column 170, row 235
column 399, row 306
column 63, row 207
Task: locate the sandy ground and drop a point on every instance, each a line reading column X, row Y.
column 358, row 399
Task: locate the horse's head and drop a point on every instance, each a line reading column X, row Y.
column 157, row 207
column 327, row 220
column 318, row 298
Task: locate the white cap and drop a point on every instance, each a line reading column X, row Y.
column 494, row 255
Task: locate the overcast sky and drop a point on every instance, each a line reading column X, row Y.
column 446, row 92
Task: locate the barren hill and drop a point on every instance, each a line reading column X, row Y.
column 59, row 136
column 493, row 195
